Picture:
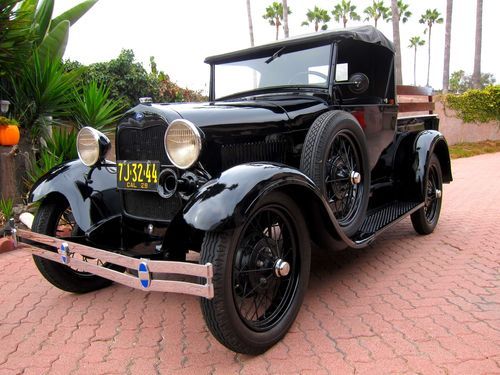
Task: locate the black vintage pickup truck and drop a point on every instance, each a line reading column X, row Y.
column 299, row 143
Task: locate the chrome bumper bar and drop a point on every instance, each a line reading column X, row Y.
column 149, row 272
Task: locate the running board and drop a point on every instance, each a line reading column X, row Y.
column 380, row 219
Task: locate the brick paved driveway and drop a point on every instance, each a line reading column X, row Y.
column 407, row 304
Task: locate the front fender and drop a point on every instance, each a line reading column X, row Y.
column 225, row 202
column 92, row 197
column 222, row 203
column 426, row 143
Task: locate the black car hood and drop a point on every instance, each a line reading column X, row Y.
column 229, row 113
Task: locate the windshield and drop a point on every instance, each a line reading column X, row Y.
column 308, row 67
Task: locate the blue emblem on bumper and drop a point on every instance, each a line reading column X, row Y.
column 144, row 275
column 64, row 253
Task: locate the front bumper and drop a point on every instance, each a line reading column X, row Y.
column 150, row 273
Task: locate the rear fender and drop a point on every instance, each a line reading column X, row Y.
column 427, row 143
column 225, row 202
column 90, row 191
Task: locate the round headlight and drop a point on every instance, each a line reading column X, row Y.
column 91, row 145
column 182, row 143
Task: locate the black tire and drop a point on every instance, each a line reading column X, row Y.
column 46, row 221
column 334, row 149
column 254, row 307
column 426, row 218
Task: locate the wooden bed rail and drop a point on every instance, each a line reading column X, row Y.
column 415, row 99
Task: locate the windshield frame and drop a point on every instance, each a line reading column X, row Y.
column 272, row 54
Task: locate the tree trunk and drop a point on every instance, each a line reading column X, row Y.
column 375, row 22
column 250, row 23
column 415, row 67
column 13, row 165
column 278, row 24
column 476, row 75
column 429, row 56
column 397, row 41
column 345, row 22
column 285, row 18
column 447, row 46
column 316, row 26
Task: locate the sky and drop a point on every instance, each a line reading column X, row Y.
column 180, row 34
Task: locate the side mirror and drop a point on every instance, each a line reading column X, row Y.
column 358, row 83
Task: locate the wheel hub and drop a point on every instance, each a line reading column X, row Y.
column 281, row 268
column 439, row 194
column 355, row 178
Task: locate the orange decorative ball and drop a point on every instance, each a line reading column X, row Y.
column 9, row 135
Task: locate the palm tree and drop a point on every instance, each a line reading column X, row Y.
column 447, row 46
column 476, row 73
column 429, row 18
column 250, row 23
column 399, row 12
column 415, row 42
column 376, row 11
column 345, row 11
column 274, row 13
column 285, row 18
column 317, row 16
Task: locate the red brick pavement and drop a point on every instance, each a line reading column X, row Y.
column 407, row 304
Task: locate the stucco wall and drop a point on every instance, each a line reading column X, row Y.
column 456, row 131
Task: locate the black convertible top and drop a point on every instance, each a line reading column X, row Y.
column 367, row 34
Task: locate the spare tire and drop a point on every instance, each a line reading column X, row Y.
column 335, row 157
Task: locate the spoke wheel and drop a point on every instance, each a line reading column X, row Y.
column 261, row 273
column 343, row 193
column 261, row 294
column 426, row 218
column 54, row 218
column 334, row 156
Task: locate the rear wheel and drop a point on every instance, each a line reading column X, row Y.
column 261, row 275
column 54, row 218
column 426, row 218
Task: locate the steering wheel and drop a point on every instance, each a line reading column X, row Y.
column 306, row 73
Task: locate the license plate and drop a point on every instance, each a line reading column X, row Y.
column 137, row 175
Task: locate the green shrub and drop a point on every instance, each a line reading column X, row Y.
column 476, row 105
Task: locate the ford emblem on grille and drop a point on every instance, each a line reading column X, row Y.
column 144, row 275
column 139, row 116
column 64, row 253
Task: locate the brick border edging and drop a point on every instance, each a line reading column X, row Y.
column 6, row 245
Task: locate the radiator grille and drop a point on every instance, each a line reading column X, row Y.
column 150, row 205
column 146, row 143
column 234, row 154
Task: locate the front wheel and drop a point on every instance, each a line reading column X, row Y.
column 426, row 218
column 54, row 218
column 261, row 271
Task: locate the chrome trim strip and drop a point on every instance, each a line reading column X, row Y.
column 153, row 266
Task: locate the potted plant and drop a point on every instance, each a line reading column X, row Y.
column 9, row 132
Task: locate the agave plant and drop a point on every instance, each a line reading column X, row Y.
column 6, row 207
column 92, row 106
column 62, row 142
column 41, row 90
column 40, row 166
